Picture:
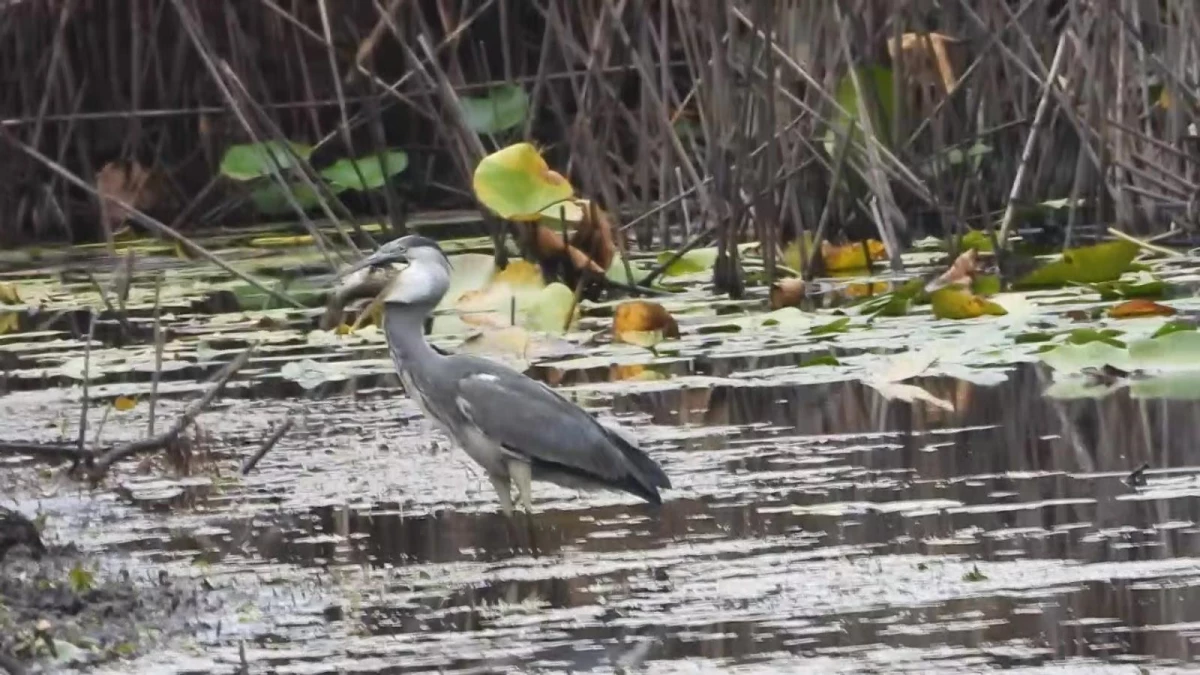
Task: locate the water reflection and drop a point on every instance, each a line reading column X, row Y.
column 817, row 523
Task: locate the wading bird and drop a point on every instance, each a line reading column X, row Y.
column 516, row 428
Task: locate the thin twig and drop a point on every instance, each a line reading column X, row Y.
column 105, row 461
column 159, row 341
column 279, row 432
column 87, row 375
column 1038, row 119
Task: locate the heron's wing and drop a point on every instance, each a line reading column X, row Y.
column 528, row 418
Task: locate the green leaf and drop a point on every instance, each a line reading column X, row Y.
column 824, row 360
column 978, row 240
column 270, row 199
column 1091, row 264
column 956, row 302
column 517, row 184
column 253, row 160
column 839, row 325
column 1176, row 350
column 1144, row 285
column 1082, row 336
column 503, row 108
column 1173, row 327
column 692, row 262
column 548, row 312
column 1033, row 338
column 342, row 173
column 640, row 269
column 985, row 284
column 81, row 580
column 877, row 84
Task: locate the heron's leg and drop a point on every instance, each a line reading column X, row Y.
column 504, row 492
column 522, row 475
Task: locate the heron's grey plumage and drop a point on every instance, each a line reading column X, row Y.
column 516, row 428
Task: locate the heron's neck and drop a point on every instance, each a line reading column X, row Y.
column 404, row 325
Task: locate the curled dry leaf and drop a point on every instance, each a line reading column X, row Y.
column 950, row 294
column 131, row 183
column 927, row 56
column 594, row 236
column 960, row 273
column 643, row 323
column 1140, row 307
column 786, row 293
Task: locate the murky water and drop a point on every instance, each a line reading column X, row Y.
column 815, row 525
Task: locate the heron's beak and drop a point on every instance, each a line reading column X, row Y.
column 376, row 259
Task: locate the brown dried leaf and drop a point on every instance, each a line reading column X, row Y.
column 927, row 56
column 548, row 244
column 1139, row 307
column 787, row 293
column 960, row 273
column 594, row 236
column 131, row 183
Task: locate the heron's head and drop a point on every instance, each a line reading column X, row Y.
column 427, row 276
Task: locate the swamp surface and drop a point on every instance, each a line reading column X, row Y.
column 819, row 521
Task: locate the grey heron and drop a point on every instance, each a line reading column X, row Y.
column 516, row 428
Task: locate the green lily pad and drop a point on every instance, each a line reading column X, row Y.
column 548, row 312
column 253, row 160
column 978, row 240
column 1082, row 336
column 1144, row 285
column 1074, row 358
column 1091, row 264
column 1173, row 327
column 839, row 325
column 1176, row 350
column 342, row 173
column 692, row 262
column 640, row 269
column 270, row 199
column 504, row 108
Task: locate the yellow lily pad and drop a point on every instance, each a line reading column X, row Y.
column 10, row 322
column 956, row 302
column 9, row 295
column 516, row 183
column 124, row 403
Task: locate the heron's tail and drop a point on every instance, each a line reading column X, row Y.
column 646, row 471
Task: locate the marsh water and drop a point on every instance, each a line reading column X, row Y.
column 818, row 522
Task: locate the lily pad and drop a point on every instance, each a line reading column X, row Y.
column 548, row 312
column 640, row 269
column 517, row 184
column 253, row 160
column 270, row 199
column 1091, row 264
column 504, row 108
column 692, row 262
column 959, row 303
column 342, row 174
